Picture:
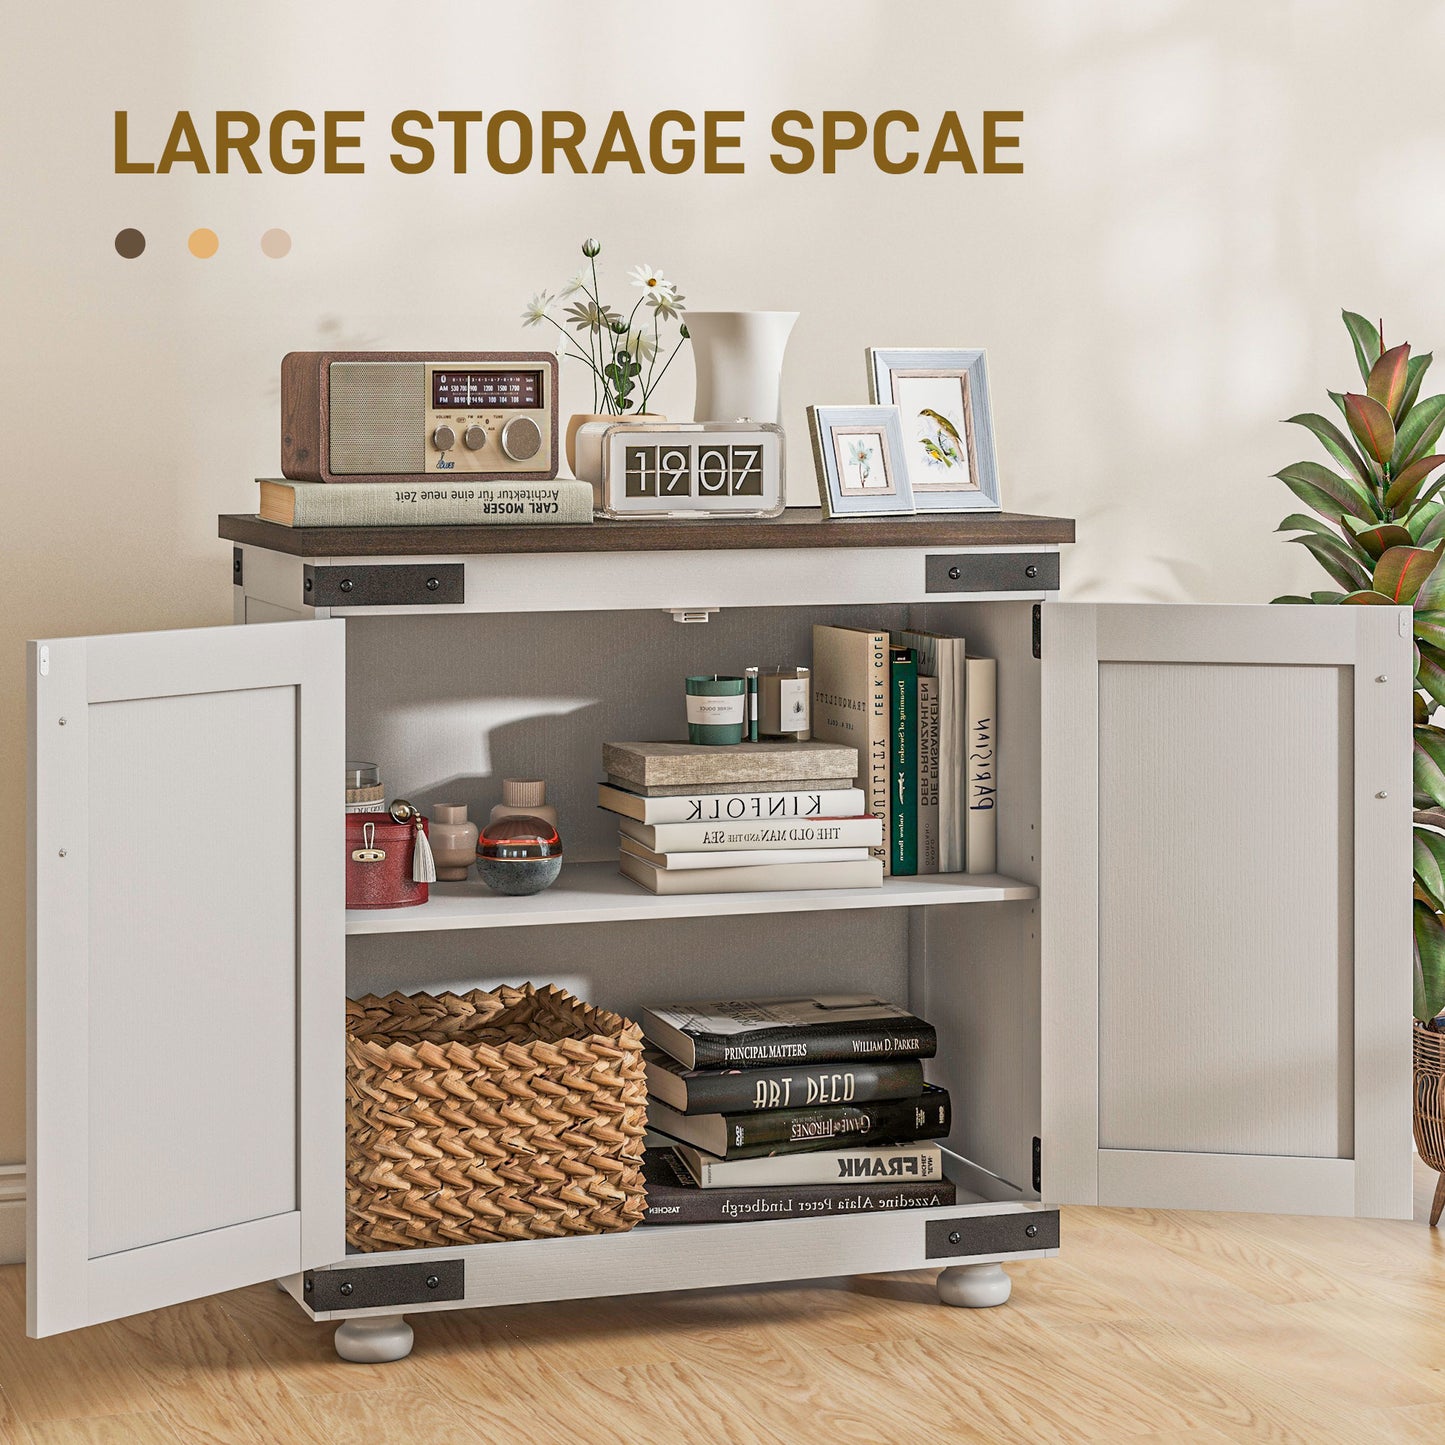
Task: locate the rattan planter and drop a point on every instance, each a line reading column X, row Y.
column 514, row 1114
column 1430, row 1107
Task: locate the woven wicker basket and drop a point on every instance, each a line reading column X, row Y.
column 1430, row 1107
column 514, row 1114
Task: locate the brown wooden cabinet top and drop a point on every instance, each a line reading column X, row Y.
column 797, row 527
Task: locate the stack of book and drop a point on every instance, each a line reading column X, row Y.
column 922, row 714
column 443, row 502
column 753, row 817
column 791, row 1108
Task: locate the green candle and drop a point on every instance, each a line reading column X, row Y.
column 716, row 709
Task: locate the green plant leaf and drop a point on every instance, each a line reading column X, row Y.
column 1414, row 375
column 1290, row 600
column 1326, row 598
column 1430, row 595
column 1336, row 558
column 1430, row 627
column 1366, row 339
column 1344, row 494
column 1430, row 863
column 1429, row 766
column 1432, row 526
column 1338, row 397
column 1335, row 442
column 1386, row 382
column 1429, row 963
column 1372, row 425
column 1378, row 540
column 1418, row 433
column 1367, row 598
column 1422, row 712
column 1402, row 571
column 1406, row 484
column 1430, row 672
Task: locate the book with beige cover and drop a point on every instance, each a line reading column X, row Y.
column 851, row 706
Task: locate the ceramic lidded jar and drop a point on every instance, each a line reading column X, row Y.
column 519, row 855
column 453, row 842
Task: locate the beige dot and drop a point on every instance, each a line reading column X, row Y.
column 203, row 243
column 276, row 243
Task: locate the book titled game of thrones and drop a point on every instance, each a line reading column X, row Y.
column 762, row 1033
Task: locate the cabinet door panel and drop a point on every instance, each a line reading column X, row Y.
column 1226, row 907
column 185, row 950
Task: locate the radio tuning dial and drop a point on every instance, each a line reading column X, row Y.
column 475, row 437
column 444, row 438
column 521, row 438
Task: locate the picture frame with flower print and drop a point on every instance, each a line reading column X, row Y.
column 859, row 452
column 947, row 420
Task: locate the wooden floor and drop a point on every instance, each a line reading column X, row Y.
column 1150, row 1327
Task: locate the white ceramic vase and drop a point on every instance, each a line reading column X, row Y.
column 739, row 361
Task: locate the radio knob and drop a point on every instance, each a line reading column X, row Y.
column 521, row 438
column 444, row 438
column 475, row 437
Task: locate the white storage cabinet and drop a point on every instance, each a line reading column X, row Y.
column 1187, row 987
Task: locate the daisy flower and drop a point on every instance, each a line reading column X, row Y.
column 667, row 304
column 651, row 281
column 576, row 284
column 589, row 316
column 536, row 309
column 640, row 345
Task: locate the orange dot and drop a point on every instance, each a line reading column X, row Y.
column 203, row 243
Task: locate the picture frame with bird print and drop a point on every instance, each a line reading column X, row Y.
column 942, row 396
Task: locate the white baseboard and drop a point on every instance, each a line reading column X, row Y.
column 12, row 1214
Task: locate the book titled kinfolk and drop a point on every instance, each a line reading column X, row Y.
column 735, row 807
column 674, row 1198
column 730, row 1033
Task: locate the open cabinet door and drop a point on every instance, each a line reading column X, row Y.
column 186, row 965
column 1226, row 908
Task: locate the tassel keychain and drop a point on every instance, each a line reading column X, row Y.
column 423, row 865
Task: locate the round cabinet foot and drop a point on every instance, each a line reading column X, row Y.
column 974, row 1286
column 374, row 1341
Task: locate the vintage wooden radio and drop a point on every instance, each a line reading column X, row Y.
column 394, row 416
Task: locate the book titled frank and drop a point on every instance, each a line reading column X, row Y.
column 887, row 1163
column 830, row 1028
column 795, row 1131
column 674, row 1198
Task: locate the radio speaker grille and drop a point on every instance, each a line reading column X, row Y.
column 378, row 417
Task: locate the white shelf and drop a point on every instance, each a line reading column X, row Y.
column 598, row 893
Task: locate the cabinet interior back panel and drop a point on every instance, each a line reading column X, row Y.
column 449, row 706
column 191, row 1052
column 1225, row 893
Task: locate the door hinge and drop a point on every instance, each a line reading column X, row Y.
column 385, row 1286
column 238, row 571
column 1038, row 629
column 1038, row 1165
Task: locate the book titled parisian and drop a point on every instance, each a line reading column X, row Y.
column 724, row 1033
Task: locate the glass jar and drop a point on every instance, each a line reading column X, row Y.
column 364, row 793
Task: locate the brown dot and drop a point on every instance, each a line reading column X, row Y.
column 129, row 243
column 275, row 243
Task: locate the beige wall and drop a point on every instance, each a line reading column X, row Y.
column 1207, row 182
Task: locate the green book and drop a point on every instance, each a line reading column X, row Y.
column 903, row 828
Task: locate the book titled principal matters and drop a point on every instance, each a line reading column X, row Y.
column 824, row 1029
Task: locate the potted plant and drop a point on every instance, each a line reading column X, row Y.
column 1378, row 530
column 622, row 353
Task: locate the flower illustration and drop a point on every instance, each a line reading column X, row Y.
column 650, row 280
column 536, row 309
column 574, row 285
column 861, row 455
column 667, row 304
